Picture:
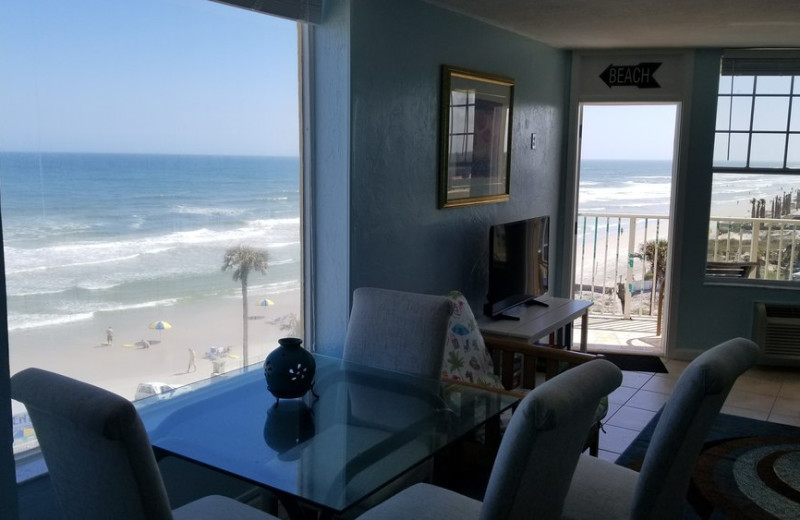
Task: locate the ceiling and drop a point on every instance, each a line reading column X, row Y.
column 619, row 24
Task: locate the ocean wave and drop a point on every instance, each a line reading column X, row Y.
column 76, row 264
column 208, row 211
column 81, row 254
column 112, row 307
column 32, row 321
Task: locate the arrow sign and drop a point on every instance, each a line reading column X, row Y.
column 640, row 75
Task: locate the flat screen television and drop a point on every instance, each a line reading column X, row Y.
column 518, row 266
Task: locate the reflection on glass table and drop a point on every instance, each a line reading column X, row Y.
column 367, row 427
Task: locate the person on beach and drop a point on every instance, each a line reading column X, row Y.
column 192, row 366
column 145, row 343
column 109, row 335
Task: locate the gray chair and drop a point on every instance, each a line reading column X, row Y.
column 99, row 457
column 601, row 489
column 536, row 459
column 398, row 330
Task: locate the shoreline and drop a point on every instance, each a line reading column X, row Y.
column 121, row 366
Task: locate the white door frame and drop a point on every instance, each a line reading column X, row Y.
column 590, row 84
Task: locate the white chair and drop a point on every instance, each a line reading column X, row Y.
column 397, row 330
column 99, row 457
column 536, row 459
column 601, row 489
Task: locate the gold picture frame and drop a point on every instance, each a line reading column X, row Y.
column 475, row 140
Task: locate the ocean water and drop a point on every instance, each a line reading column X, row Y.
column 93, row 233
column 644, row 187
column 625, row 187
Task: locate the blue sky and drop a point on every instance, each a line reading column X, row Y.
column 628, row 132
column 146, row 76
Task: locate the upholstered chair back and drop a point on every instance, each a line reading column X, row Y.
column 96, row 449
column 540, row 449
column 684, row 422
column 398, row 330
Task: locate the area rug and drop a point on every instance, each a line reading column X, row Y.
column 748, row 469
column 636, row 362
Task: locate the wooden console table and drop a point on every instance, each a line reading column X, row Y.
column 536, row 321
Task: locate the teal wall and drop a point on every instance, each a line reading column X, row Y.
column 707, row 314
column 397, row 238
column 327, row 201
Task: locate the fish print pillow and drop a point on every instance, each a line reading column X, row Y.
column 465, row 354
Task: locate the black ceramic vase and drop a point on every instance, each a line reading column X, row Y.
column 289, row 370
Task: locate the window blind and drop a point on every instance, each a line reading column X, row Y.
column 309, row 11
column 761, row 63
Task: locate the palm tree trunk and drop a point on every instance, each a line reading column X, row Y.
column 244, row 322
column 660, row 307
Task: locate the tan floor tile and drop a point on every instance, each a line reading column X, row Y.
column 790, row 388
column 615, row 439
column 786, row 407
column 767, row 373
column 631, row 418
column 749, row 400
column 760, row 415
column 675, row 367
column 621, row 395
column 612, row 409
column 635, row 379
column 784, row 419
column 610, row 456
column 652, row 401
column 660, row 383
column 757, row 385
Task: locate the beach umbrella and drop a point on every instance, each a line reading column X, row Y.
column 267, row 302
column 160, row 325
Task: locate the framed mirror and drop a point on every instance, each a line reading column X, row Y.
column 475, row 141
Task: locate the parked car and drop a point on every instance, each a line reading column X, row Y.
column 163, row 390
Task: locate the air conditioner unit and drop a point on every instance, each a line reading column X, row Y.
column 776, row 328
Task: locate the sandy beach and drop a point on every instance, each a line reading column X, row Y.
column 121, row 366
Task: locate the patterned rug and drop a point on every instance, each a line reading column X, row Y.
column 748, row 469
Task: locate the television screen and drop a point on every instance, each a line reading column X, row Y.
column 518, row 265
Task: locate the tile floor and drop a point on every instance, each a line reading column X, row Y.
column 765, row 393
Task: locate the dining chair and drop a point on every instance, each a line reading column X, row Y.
column 98, row 455
column 536, row 459
column 511, row 365
column 602, row 489
column 397, row 330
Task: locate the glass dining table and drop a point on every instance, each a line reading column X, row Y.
column 366, row 428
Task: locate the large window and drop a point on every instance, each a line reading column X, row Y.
column 149, row 165
column 755, row 205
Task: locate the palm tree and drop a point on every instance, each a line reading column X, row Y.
column 243, row 260
column 753, row 207
column 655, row 252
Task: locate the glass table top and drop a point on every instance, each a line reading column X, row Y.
column 367, row 427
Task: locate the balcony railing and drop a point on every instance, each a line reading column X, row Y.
column 773, row 244
column 612, row 269
column 615, row 266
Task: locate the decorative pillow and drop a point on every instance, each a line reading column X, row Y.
column 465, row 354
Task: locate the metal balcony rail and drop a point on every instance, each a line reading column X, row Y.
column 617, row 256
column 771, row 243
column 613, row 269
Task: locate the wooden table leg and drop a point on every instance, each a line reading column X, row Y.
column 584, row 329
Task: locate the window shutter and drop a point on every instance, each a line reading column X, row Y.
column 309, row 11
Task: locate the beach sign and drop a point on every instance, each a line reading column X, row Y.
column 640, row 76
